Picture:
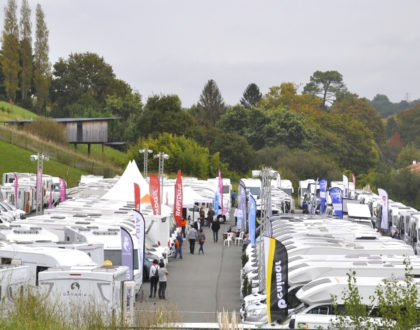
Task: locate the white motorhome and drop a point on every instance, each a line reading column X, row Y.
column 111, row 238
column 79, row 289
column 13, row 278
column 40, row 258
column 303, row 190
column 253, row 186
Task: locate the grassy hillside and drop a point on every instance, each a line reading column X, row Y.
column 15, row 159
column 6, row 112
column 65, row 161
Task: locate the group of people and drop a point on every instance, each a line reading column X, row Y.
column 158, row 272
column 158, row 275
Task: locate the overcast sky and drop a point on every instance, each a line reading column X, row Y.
column 175, row 47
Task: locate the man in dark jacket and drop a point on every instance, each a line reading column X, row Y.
column 215, row 226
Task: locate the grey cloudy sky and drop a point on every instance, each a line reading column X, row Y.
column 175, row 47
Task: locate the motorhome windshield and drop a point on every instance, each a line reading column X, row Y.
column 115, row 257
column 254, row 190
column 226, row 189
column 287, row 191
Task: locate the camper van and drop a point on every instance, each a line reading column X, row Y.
column 83, row 288
column 303, row 190
column 253, row 187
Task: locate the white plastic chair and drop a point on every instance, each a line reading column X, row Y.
column 239, row 239
column 228, row 241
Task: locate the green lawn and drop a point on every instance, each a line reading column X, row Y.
column 6, row 112
column 15, row 159
column 115, row 156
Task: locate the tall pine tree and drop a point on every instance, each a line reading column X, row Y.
column 10, row 51
column 25, row 50
column 251, row 96
column 42, row 66
column 211, row 103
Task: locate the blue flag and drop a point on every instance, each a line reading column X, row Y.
column 252, row 218
column 337, row 201
column 216, row 204
column 127, row 252
column 322, row 193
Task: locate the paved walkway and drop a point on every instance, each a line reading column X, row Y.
column 200, row 285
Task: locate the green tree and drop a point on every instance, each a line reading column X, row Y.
column 80, row 82
column 356, row 313
column 10, row 51
column 26, row 51
column 42, row 66
column 278, row 97
column 251, row 96
column 361, row 110
column 184, row 153
column 409, row 127
column 327, row 85
column 409, row 153
column 391, row 127
column 164, row 114
column 383, row 105
column 398, row 301
column 211, row 104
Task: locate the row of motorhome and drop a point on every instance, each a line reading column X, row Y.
column 321, row 251
column 26, row 198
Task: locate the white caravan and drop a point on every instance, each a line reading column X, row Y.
column 253, row 186
column 87, row 289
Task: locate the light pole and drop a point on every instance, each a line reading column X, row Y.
column 39, row 158
column 162, row 156
column 146, row 153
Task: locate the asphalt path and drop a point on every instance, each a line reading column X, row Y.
column 200, row 285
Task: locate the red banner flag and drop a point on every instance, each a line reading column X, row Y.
column 136, row 197
column 354, row 181
column 154, row 191
column 178, row 200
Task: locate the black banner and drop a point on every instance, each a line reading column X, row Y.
column 276, row 279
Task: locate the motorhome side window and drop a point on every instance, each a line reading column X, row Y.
column 323, row 310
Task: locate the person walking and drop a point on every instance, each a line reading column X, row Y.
column 163, row 273
column 192, row 237
column 154, row 278
column 183, row 225
column 210, row 216
column 178, row 245
column 201, row 240
column 215, row 226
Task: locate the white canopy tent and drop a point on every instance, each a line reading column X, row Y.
column 123, row 190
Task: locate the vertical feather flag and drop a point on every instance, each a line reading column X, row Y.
column 136, row 196
column 383, row 195
column 345, row 186
column 276, row 276
column 323, row 193
column 221, row 192
column 16, row 183
column 154, row 191
column 140, row 233
column 337, row 202
column 354, row 181
column 127, row 252
column 62, row 190
column 178, row 199
column 252, row 218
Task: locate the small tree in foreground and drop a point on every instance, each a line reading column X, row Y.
column 396, row 301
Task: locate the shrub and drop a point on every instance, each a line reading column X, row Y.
column 48, row 129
